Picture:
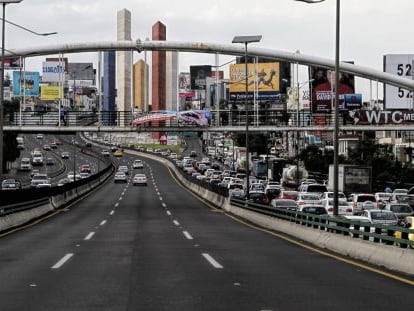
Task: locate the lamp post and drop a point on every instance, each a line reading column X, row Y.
column 3, row 19
column 336, row 119
column 4, row 2
column 246, row 40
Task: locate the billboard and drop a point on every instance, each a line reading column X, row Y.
column 198, row 76
column 50, row 92
column 27, row 85
column 322, row 90
column 265, row 76
column 53, row 71
column 13, row 63
column 353, row 101
column 397, row 97
column 184, row 85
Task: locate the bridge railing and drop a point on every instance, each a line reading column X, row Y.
column 376, row 233
column 228, row 117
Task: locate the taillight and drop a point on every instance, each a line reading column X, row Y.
column 349, row 210
column 330, row 209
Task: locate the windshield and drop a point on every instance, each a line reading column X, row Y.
column 401, row 209
column 382, row 216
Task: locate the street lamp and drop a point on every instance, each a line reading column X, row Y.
column 246, row 40
column 336, row 120
column 4, row 2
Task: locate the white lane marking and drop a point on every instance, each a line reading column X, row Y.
column 163, row 204
column 212, row 261
column 62, row 261
column 102, row 222
column 168, row 213
column 176, row 223
column 89, row 236
column 187, row 235
column 120, row 198
column 160, row 198
column 116, row 204
column 112, row 212
column 158, row 193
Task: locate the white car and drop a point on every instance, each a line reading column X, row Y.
column 71, row 176
column 343, row 207
column 139, row 179
column 137, row 164
column 120, row 177
column 123, row 168
column 39, row 179
column 105, row 152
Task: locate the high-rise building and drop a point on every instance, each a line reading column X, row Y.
column 108, row 89
column 171, row 82
column 159, row 32
column 124, row 65
column 141, row 86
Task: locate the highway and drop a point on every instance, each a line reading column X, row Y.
column 160, row 248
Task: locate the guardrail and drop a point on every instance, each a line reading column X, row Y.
column 377, row 233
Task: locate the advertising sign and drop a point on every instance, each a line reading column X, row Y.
column 353, row 101
column 400, row 65
column 50, row 93
column 27, row 85
column 198, row 76
column 13, row 63
column 53, row 71
column 378, row 117
column 323, row 88
column 184, row 85
column 264, row 76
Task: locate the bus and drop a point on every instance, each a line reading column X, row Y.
column 260, row 169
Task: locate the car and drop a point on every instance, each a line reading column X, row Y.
column 10, row 184
column 37, row 158
column 50, row 161
column 317, row 188
column 272, row 191
column 363, row 201
column 63, row 181
column 307, row 198
column 382, row 198
column 123, row 168
column 85, row 168
column 343, row 207
column 64, row 155
column 193, row 153
column 25, row 164
column 120, row 177
column 47, row 147
column 285, row 204
column 34, row 172
column 71, row 176
column 258, row 197
column 288, row 194
column 84, row 175
column 236, row 190
column 39, row 179
column 401, row 210
column 39, row 136
column 118, row 153
column 137, row 164
column 139, row 179
column 114, row 148
column 57, row 142
column 53, row 145
column 329, row 195
column 379, row 216
column 105, row 152
column 315, row 209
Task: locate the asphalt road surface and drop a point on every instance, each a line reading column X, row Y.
column 159, row 247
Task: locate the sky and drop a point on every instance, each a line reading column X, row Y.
column 369, row 28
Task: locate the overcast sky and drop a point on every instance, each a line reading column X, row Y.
column 369, row 28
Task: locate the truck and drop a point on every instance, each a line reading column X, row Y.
column 351, row 178
column 292, row 176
